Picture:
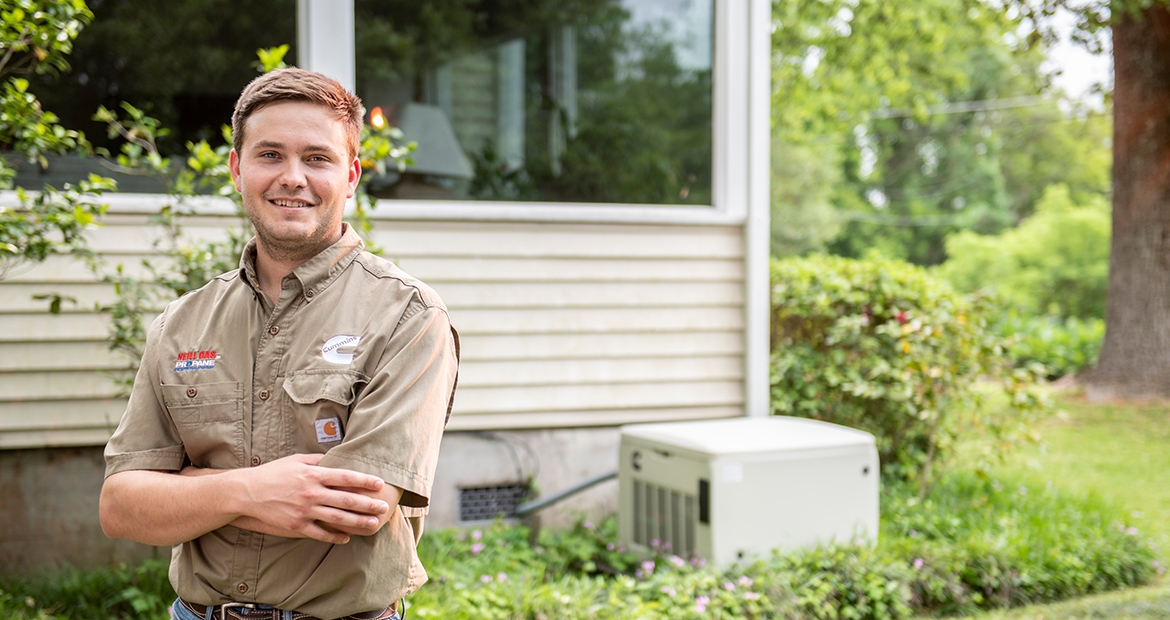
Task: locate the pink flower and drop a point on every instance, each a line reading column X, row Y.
column 745, row 581
column 918, row 562
column 501, row 577
column 485, row 578
column 476, row 535
column 677, row 561
column 727, row 585
column 901, row 316
column 669, row 591
column 701, row 603
column 476, row 548
column 751, row 596
column 648, row 566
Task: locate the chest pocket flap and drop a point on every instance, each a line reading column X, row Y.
column 310, row 386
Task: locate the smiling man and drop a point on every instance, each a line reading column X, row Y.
column 284, row 426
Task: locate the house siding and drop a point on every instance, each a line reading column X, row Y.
column 562, row 324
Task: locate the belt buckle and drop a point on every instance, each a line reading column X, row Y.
column 223, row 609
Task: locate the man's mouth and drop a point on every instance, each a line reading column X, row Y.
column 290, row 203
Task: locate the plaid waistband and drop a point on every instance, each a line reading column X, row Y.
column 230, row 612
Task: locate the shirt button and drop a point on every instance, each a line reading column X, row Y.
column 191, row 392
column 274, row 330
column 309, row 294
column 264, row 394
column 242, row 588
column 255, row 461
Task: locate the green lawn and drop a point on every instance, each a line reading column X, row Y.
column 1121, row 453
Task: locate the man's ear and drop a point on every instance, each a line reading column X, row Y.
column 355, row 175
column 234, row 166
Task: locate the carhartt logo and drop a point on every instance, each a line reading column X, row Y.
column 196, row 360
column 332, row 349
column 328, row 430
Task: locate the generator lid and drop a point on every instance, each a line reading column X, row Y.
column 749, row 435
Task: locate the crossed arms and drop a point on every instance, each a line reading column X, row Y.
column 292, row 497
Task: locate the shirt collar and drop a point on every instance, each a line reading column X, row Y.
column 315, row 274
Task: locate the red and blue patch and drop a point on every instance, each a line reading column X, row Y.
column 196, row 360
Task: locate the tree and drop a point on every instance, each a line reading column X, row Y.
column 1135, row 356
column 896, row 124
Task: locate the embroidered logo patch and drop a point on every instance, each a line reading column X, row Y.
column 196, row 360
column 332, row 349
column 328, row 430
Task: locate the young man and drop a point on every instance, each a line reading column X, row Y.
column 284, row 425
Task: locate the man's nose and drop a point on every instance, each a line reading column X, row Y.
column 292, row 174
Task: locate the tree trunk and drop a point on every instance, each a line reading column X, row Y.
column 1135, row 357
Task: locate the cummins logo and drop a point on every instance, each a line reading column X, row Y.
column 332, row 349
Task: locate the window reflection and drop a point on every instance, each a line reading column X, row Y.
column 603, row 101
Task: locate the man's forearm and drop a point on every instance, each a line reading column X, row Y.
column 162, row 508
column 290, row 497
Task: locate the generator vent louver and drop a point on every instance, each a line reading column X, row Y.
column 666, row 516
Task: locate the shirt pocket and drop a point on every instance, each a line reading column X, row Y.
column 209, row 420
column 203, row 403
column 318, row 405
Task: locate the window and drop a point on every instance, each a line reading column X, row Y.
column 184, row 63
column 594, row 101
column 541, row 101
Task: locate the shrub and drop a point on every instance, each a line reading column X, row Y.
column 883, row 346
column 987, row 543
column 1055, row 262
column 1064, row 346
column 974, row 543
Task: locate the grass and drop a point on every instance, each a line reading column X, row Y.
column 1120, row 453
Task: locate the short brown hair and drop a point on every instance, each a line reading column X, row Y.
column 293, row 84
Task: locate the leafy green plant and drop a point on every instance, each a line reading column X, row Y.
column 979, row 542
column 36, row 37
column 141, row 591
column 1056, row 262
column 1064, row 346
column 973, row 543
column 882, row 346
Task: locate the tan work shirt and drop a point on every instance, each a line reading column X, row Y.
column 356, row 360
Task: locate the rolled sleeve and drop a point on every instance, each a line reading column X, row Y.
column 146, row 437
column 397, row 420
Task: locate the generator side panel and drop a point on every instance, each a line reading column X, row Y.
column 788, row 501
column 663, row 500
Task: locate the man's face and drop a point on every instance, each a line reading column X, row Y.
column 294, row 175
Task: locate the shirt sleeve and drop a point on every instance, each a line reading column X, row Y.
column 146, row 437
column 398, row 418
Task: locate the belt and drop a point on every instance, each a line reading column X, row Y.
column 248, row 611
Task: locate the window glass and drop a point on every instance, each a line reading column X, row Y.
column 184, row 63
column 605, row 101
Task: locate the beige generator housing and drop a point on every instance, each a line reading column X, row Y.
column 727, row 490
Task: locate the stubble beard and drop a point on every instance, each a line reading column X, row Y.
column 297, row 248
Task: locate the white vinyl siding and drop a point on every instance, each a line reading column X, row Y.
column 562, row 324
